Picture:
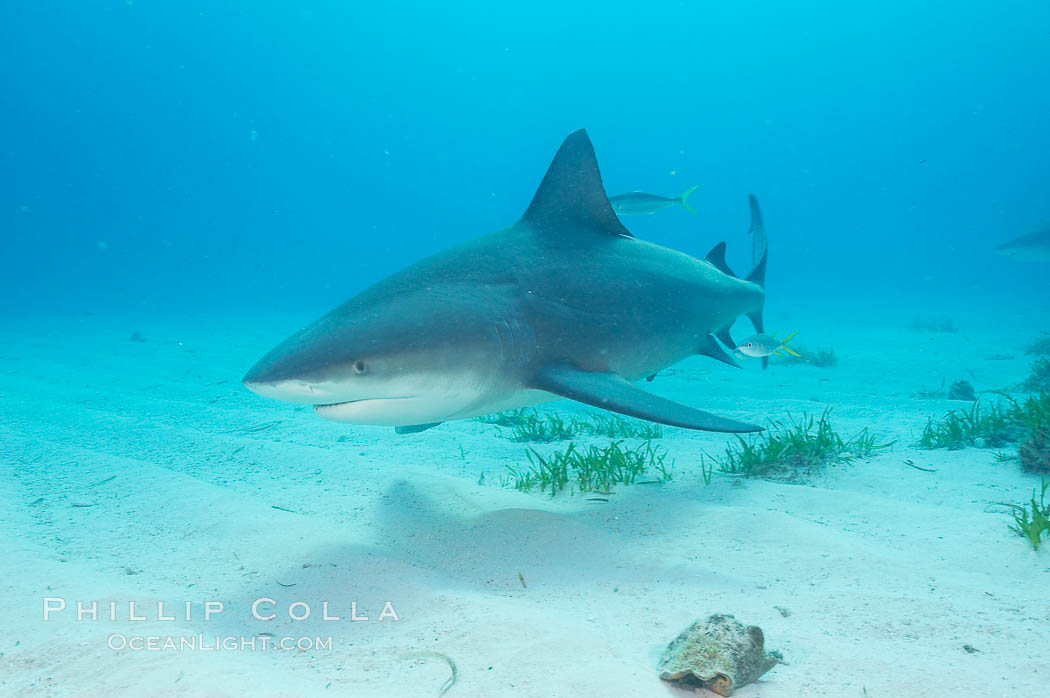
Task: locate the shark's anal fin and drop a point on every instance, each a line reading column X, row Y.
column 571, row 196
column 709, row 347
column 614, row 393
column 725, row 338
column 415, row 428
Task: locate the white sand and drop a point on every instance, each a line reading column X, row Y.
column 887, row 571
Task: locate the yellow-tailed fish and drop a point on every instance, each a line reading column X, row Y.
column 637, row 202
column 760, row 345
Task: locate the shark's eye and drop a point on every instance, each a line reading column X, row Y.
column 360, row 367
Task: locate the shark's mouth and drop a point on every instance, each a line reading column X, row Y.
column 371, row 410
column 354, row 402
column 335, row 404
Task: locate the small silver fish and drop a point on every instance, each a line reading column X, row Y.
column 639, row 202
column 760, row 345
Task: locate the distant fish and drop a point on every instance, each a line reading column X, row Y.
column 761, row 345
column 639, row 202
column 1033, row 247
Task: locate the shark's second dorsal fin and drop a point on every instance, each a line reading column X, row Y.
column 571, row 193
column 717, row 257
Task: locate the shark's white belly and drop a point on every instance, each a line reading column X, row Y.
column 507, row 401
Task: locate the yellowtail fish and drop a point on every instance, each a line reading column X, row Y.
column 760, row 345
column 639, row 202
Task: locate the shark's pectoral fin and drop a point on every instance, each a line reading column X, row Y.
column 415, row 428
column 709, row 347
column 614, row 393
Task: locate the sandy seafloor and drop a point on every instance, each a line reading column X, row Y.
column 887, row 572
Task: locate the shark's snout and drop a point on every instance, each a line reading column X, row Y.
column 280, row 380
column 288, row 390
column 343, row 400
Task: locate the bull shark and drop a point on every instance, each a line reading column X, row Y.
column 1033, row 247
column 565, row 303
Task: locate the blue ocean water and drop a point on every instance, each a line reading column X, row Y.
column 205, row 178
column 161, row 156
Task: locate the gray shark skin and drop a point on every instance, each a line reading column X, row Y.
column 565, row 303
column 1033, row 247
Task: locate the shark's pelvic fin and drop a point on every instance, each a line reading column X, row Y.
column 709, row 347
column 612, row 392
column 415, row 428
column 717, row 257
column 571, row 195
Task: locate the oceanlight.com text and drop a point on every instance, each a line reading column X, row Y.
column 213, row 643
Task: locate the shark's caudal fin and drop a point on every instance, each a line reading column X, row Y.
column 759, row 254
column 571, row 195
column 684, row 196
column 759, row 244
column 612, row 392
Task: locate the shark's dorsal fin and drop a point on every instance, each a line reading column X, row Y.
column 717, row 257
column 571, row 193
